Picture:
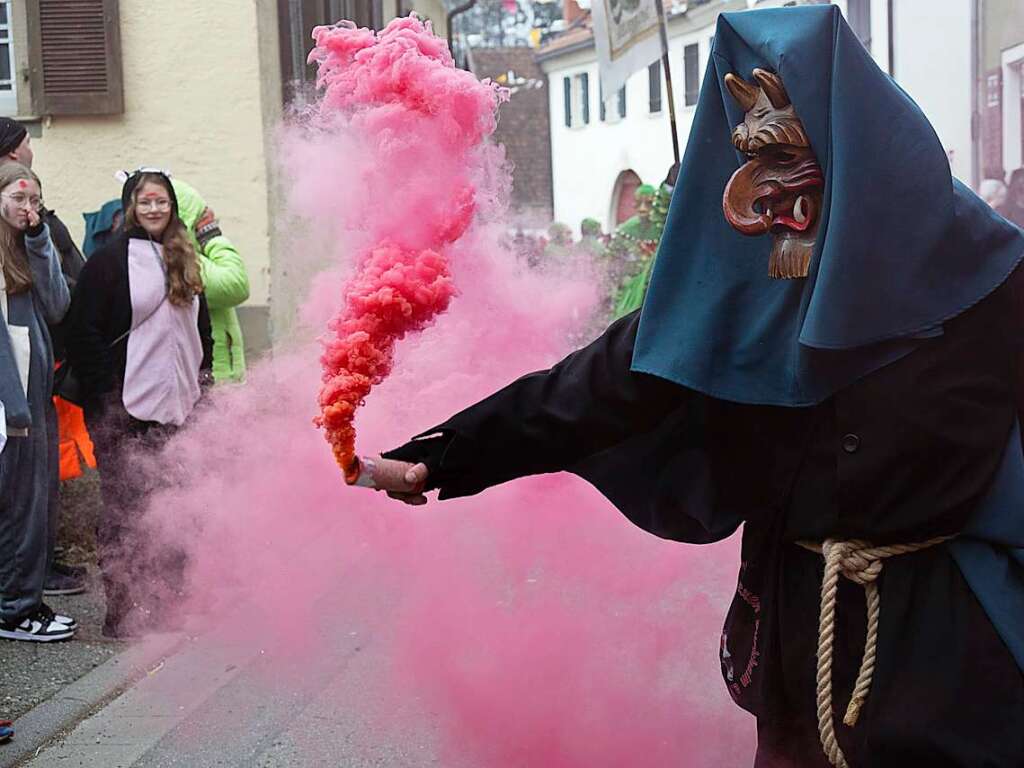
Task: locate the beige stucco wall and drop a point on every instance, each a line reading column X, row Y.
column 202, row 98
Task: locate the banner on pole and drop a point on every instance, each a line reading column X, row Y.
column 627, row 38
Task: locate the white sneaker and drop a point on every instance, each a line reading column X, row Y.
column 36, row 628
column 47, row 613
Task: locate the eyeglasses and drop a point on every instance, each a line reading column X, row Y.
column 22, row 200
column 145, row 206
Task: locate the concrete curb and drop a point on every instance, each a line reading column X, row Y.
column 58, row 714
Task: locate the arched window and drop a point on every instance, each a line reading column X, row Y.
column 623, row 197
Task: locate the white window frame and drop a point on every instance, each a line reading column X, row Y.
column 576, row 100
column 1013, row 87
column 9, row 98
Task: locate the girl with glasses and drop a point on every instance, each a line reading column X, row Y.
column 33, row 293
column 139, row 342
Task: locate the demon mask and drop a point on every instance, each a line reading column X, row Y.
column 778, row 190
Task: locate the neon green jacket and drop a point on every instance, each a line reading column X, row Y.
column 226, row 285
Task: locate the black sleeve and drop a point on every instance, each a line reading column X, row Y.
column 547, row 421
column 87, row 330
column 71, row 259
column 205, row 334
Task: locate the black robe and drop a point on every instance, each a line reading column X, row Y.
column 900, row 456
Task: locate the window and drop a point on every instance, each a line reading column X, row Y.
column 859, row 17
column 620, row 105
column 8, row 88
column 581, row 98
column 993, row 89
column 691, row 74
column 576, row 92
column 296, row 20
column 71, row 52
column 654, row 87
column 567, row 93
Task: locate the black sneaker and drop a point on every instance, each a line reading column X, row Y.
column 36, row 628
column 63, row 584
column 76, row 571
column 48, row 612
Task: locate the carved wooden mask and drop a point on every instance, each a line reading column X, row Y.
column 778, row 191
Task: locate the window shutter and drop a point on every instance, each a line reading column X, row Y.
column 567, row 89
column 600, row 99
column 77, row 57
column 622, row 101
column 691, row 75
column 654, row 87
column 859, row 15
column 585, row 95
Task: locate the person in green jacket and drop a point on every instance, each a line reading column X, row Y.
column 224, row 277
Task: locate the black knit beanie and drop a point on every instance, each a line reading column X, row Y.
column 12, row 133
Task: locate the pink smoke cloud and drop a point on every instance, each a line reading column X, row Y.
column 531, row 625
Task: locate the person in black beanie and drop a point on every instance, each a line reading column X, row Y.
column 16, row 146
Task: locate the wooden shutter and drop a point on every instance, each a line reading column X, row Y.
column 654, row 87
column 691, row 75
column 567, row 92
column 585, row 97
column 75, row 48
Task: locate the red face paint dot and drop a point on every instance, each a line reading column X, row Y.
column 22, row 183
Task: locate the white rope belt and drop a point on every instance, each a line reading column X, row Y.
column 861, row 563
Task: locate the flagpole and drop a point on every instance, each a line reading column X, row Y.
column 662, row 24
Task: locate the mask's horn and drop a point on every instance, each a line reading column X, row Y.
column 772, row 86
column 744, row 93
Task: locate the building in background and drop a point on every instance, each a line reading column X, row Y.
column 1001, row 94
column 193, row 86
column 523, row 129
column 929, row 47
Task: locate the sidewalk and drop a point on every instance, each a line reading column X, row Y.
column 67, row 704
column 48, row 687
column 30, row 673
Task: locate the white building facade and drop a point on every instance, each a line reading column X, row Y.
column 599, row 156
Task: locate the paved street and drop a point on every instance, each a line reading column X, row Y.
column 223, row 701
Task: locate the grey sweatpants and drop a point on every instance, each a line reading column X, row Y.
column 28, row 519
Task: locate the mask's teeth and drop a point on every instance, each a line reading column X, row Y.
column 800, row 209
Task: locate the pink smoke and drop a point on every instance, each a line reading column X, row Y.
column 531, row 625
column 400, row 92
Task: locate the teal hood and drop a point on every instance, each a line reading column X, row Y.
column 902, row 247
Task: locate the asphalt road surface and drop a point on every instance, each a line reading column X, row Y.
column 226, row 699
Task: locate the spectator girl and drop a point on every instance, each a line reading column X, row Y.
column 139, row 342
column 33, row 293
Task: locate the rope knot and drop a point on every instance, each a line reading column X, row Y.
column 857, row 560
column 861, row 563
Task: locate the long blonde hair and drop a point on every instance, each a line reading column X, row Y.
column 184, row 280
column 17, row 274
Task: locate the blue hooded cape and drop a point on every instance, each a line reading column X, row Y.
column 902, row 247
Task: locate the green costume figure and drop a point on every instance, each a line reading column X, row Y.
column 559, row 243
column 633, row 246
column 592, row 239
